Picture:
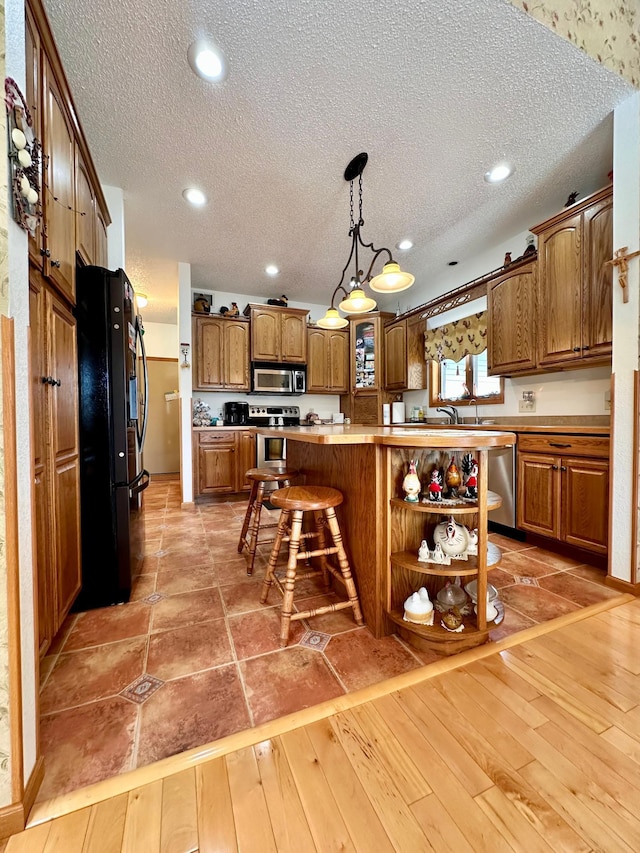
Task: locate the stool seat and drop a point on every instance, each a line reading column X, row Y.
column 306, row 498
column 321, row 501
column 251, row 527
column 270, row 475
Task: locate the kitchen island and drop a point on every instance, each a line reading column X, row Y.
column 380, row 529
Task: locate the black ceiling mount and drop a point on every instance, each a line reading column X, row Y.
column 356, row 166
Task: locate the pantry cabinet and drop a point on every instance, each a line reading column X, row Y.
column 221, row 459
column 563, row 489
column 56, row 458
column 72, row 230
column 511, row 322
column 221, row 354
column 575, row 283
column 363, row 404
column 328, row 366
column 278, row 334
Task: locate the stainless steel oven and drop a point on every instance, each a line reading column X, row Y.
column 271, row 451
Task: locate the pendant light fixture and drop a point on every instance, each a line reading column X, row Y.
column 391, row 280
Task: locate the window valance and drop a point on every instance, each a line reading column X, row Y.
column 457, row 339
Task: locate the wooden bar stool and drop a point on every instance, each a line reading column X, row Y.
column 251, row 525
column 294, row 502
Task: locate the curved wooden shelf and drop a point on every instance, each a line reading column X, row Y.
column 457, row 568
column 462, row 508
column 438, row 638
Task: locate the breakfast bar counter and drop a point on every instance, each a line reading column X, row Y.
column 368, row 465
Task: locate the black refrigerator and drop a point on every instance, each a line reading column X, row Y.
column 113, row 390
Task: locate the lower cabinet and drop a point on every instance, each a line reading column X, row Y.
column 221, row 459
column 56, row 458
column 563, row 489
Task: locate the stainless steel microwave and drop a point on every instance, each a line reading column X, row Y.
column 278, row 379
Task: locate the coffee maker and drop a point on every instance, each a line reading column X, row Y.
column 235, row 414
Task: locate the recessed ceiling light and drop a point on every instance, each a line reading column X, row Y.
column 141, row 299
column 195, row 197
column 404, row 245
column 271, row 270
column 206, row 61
column 499, row 173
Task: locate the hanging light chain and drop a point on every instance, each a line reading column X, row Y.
column 351, row 205
column 360, row 219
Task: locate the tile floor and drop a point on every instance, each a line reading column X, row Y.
column 194, row 656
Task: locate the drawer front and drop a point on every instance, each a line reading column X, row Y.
column 565, row 445
column 216, row 438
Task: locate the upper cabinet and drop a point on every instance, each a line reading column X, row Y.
column 575, row 286
column 221, row 354
column 74, row 212
column 328, row 367
column 404, row 363
column 511, row 304
column 278, row 334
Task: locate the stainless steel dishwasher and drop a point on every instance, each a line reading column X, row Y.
column 502, row 480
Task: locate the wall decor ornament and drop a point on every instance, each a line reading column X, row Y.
column 24, row 159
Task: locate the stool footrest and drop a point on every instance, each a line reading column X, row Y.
column 318, row 611
column 321, row 552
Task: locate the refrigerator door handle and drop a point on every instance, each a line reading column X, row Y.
column 139, row 483
column 143, row 431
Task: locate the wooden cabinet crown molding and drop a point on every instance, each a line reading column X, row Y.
column 48, row 44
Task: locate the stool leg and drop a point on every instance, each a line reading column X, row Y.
column 247, row 517
column 254, row 527
column 343, row 561
column 283, row 522
column 322, row 543
column 290, row 579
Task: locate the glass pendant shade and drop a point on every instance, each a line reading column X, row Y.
column 391, row 279
column 332, row 320
column 357, row 302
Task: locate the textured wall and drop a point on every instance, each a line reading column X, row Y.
column 607, row 30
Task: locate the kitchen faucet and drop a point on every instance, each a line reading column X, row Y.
column 452, row 412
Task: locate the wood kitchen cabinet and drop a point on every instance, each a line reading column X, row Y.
column 404, row 362
column 511, row 322
column 221, row 459
column 278, row 334
column 563, row 488
column 328, row 361
column 58, row 190
column 575, row 284
column 74, row 212
column 221, row 353
column 56, row 457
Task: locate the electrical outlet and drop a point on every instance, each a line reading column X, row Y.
column 607, row 401
column 526, row 406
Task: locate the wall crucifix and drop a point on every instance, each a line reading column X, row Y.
column 621, row 260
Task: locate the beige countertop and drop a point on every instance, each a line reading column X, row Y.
column 396, row 436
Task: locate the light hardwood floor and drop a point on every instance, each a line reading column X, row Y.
column 532, row 744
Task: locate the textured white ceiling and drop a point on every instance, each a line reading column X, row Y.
column 435, row 92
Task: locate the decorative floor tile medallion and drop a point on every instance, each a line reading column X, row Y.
column 315, row 640
column 154, row 598
column 525, row 581
column 140, row 689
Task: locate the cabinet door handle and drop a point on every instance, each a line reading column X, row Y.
column 55, row 381
column 558, row 444
column 45, row 253
column 576, row 349
column 563, row 467
column 55, row 264
column 555, row 467
column 587, row 347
